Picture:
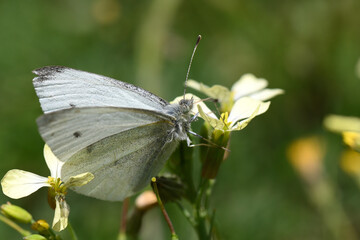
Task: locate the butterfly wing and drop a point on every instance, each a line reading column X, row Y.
column 71, row 130
column 60, row 88
column 112, row 129
column 123, row 163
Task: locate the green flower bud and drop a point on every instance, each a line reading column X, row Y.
column 213, row 156
column 34, row 237
column 16, row 213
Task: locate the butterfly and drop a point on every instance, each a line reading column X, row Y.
column 120, row 133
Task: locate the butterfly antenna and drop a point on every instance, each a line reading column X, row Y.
column 191, row 59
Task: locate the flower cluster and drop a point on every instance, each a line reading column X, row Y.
column 246, row 100
column 18, row 184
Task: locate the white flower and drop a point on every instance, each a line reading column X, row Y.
column 18, row 183
column 243, row 111
column 247, row 86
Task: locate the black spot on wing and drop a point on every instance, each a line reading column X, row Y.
column 77, row 134
column 72, row 105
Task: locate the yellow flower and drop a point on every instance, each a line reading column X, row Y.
column 349, row 127
column 18, row 183
column 350, row 162
column 306, row 155
column 247, row 86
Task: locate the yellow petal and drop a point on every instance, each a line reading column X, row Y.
column 79, row 180
column 52, row 162
column 352, row 139
column 61, row 215
column 18, row 183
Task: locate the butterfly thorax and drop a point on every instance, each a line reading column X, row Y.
column 182, row 119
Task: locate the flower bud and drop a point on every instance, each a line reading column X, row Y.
column 34, row 237
column 146, row 200
column 213, row 156
column 40, row 226
column 16, row 213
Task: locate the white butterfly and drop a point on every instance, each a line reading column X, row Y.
column 119, row 132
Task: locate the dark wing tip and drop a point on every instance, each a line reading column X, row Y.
column 44, row 72
column 48, row 70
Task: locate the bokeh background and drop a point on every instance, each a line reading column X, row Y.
column 309, row 48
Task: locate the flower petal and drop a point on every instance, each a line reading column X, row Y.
column 213, row 121
column 242, row 124
column 337, row 123
column 18, row 183
column 219, row 92
column 79, row 180
column 245, row 107
column 266, row 94
column 61, row 215
column 53, row 163
column 248, row 84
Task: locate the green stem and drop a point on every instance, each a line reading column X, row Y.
column 72, row 232
column 187, row 214
column 201, row 212
column 163, row 210
column 208, row 192
column 14, row 226
column 52, row 233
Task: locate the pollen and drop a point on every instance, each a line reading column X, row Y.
column 57, row 185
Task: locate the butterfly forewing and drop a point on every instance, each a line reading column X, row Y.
column 61, row 88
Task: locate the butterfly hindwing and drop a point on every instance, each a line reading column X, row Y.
column 71, row 130
column 123, row 163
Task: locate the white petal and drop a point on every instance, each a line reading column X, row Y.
column 195, row 85
column 61, row 215
column 213, row 121
column 248, row 84
column 245, row 107
column 266, row 94
column 79, row 180
column 52, row 162
column 18, row 183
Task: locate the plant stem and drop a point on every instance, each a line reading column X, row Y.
column 201, row 211
column 13, row 225
column 163, row 210
column 125, row 208
column 72, row 232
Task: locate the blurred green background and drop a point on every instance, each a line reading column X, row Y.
column 309, row 48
